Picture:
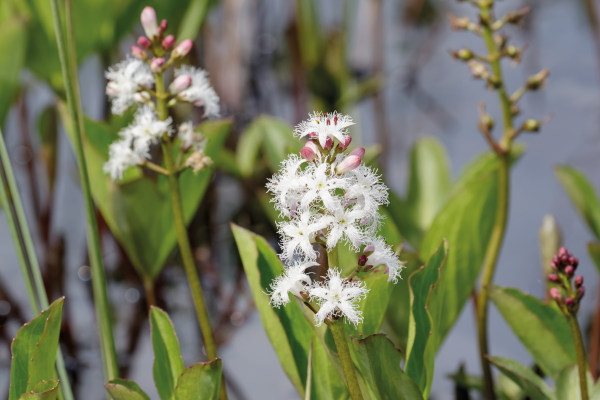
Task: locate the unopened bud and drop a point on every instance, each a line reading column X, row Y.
column 328, row 143
column 578, row 281
column 580, row 292
column 574, row 261
column 138, row 53
column 556, row 295
column 478, row 69
column 486, row 122
column 463, row 54
column 148, row 19
column 569, row 302
column 309, row 151
column 144, row 42
column 359, row 151
column 532, row 125
column 513, row 52
column 569, row 271
column 348, row 164
column 346, row 142
column 182, row 49
column 180, row 83
column 538, row 80
column 362, row 260
column 553, row 278
column 168, row 42
column 369, row 249
column 157, row 64
column 162, row 28
column 562, row 251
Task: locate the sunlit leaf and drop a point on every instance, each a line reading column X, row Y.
column 200, row 381
column 168, row 364
column 123, row 389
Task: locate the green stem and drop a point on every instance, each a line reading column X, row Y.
column 182, row 237
column 68, row 62
column 499, row 229
column 580, row 352
column 339, row 337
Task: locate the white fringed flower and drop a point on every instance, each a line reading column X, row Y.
column 299, row 235
column 121, row 157
column 294, row 280
column 126, row 80
column 382, row 254
column 190, row 139
column 338, row 297
column 333, row 125
column 200, row 92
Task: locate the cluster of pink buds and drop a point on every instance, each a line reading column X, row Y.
column 158, row 44
column 567, row 292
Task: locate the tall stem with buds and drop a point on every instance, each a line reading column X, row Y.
column 497, row 49
column 68, row 61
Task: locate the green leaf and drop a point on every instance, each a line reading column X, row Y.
column 533, row 385
column 542, row 329
column 594, row 252
column 429, row 185
column 44, row 390
column 466, row 221
column 567, row 385
column 420, row 351
column 287, row 327
column 138, row 209
column 34, row 351
column 582, row 195
column 123, row 389
column 168, row 364
column 13, row 42
column 200, row 381
column 378, row 364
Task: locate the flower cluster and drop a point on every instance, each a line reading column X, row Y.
column 136, row 80
column 328, row 197
column 563, row 266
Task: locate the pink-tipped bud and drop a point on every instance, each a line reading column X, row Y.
column 328, row 143
column 157, row 64
column 580, row 292
column 168, row 42
column 182, row 49
column 162, row 28
column 362, row 260
column 180, row 83
column 309, row 151
column 555, row 294
column 562, row 251
column 359, row 151
column 569, row 302
column 578, row 281
column 553, row 278
column 138, row 53
column 348, row 164
column 347, row 139
column 148, row 19
column 569, row 271
column 144, row 42
column 574, row 261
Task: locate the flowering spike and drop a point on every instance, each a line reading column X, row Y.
column 182, row 49
column 168, row 42
column 148, row 19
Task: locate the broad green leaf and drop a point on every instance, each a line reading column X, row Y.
column 568, row 386
column 248, row 148
column 378, row 363
column 44, row 390
column 466, row 222
column 34, row 351
column 420, row 351
column 533, row 385
column 582, row 195
column 594, row 252
column 168, row 364
column 138, row 209
column 428, row 187
column 123, row 389
column 13, row 42
column 200, row 381
column 542, row 329
column 287, row 327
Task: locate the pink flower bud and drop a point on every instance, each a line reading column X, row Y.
column 138, row 53
column 569, row 302
column 580, row 292
column 310, row 151
column 168, row 42
column 369, row 249
column 162, row 27
column 562, row 251
column 182, row 49
column 348, row 164
column 148, row 19
column 157, row 64
column 555, row 294
column 144, row 42
column 578, row 281
column 347, row 139
column 553, row 278
column 180, row 83
column 569, row 271
column 359, row 151
column 328, row 143
column 362, row 260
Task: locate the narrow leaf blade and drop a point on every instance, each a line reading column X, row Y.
column 168, row 364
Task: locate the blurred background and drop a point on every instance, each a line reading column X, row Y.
column 386, row 63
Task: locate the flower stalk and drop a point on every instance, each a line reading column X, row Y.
column 339, row 337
